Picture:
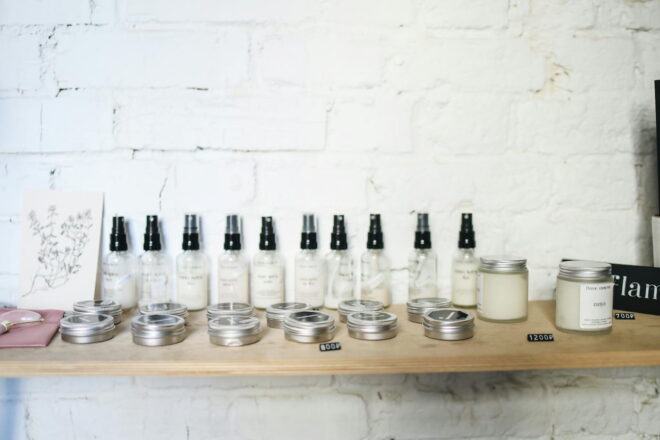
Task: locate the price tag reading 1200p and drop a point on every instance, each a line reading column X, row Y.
column 540, row 337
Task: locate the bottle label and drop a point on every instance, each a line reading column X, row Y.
column 309, row 282
column 596, row 305
column 340, row 280
column 268, row 282
column 233, row 283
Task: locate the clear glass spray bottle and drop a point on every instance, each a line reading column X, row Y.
column 119, row 268
column 267, row 269
column 155, row 267
column 422, row 264
column 340, row 275
column 375, row 276
column 465, row 266
column 233, row 267
column 192, row 268
column 310, row 267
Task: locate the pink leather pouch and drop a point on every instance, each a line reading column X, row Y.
column 32, row 335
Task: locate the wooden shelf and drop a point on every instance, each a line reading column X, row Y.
column 494, row 347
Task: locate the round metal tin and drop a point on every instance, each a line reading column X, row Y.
column 417, row 307
column 276, row 313
column 349, row 306
column 448, row 324
column 234, row 331
column 166, row 308
column 100, row 306
column 309, row 326
column 229, row 309
column 157, row 330
column 372, row 326
column 585, row 270
column 86, row 328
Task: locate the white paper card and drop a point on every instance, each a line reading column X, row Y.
column 596, row 305
column 60, row 238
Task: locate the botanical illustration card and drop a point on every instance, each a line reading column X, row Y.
column 60, row 239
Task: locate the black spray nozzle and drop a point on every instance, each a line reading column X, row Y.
column 466, row 235
column 375, row 235
column 152, row 234
column 423, row 232
column 190, row 233
column 308, row 236
column 267, row 235
column 118, row 240
column 338, row 240
column 232, row 233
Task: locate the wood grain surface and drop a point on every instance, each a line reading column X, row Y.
column 494, row 347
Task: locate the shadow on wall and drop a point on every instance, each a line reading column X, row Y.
column 644, row 148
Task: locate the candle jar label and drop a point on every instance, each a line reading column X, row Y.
column 596, row 305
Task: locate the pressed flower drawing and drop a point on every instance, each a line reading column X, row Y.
column 61, row 246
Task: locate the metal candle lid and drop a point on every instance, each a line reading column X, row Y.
column 372, row 326
column 503, row 263
column 349, row 306
column 309, row 326
column 99, row 306
column 276, row 313
column 417, row 307
column 586, row 270
column 154, row 330
column 167, row 308
column 86, row 328
column 229, row 309
column 233, row 331
column 449, row 324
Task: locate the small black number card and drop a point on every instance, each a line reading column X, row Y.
column 624, row 315
column 330, row 346
column 540, row 337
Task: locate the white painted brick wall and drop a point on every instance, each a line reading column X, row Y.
column 536, row 114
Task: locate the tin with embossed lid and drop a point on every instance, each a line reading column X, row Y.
column 417, row 307
column 234, row 331
column 157, row 330
column 100, row 306
column 277, row 313
column 166, row 308
column 448, row 324
column 309, row 326
column 349, row 306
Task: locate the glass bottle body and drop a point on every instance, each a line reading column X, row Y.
column 267, row 279
column 341, row 278
column 119, row 273
column 310, row 278
column 375, row 277
column 233, row 277
column 464, row 278
column 154, row 277
column 192, row 279
column 422, row 274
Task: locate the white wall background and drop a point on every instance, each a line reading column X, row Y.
column 535, row 114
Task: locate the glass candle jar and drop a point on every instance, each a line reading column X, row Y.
column 502, row 288
column 585, row 291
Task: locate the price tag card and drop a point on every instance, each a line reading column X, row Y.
column 540, row 337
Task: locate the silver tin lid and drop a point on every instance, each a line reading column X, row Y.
column 86, row 324
column 105, row 306
column 309, row 323
column 372, row 322
column 166, row 308
column 503, row 263
column 449, row 323
column 279, row 311
column 359, row 305
column 234, row 326
column 154, row 326
column 585, row 270
column 420, row 305
column 229, row 309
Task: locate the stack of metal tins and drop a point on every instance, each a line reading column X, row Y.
column 168, row 308
column 156, row 330
column 349, row 306
column 418, row 307
column 229, row 309
column 276, row 313
column 99, row 307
